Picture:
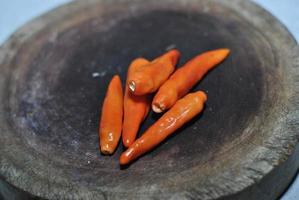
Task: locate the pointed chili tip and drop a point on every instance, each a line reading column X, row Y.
column 174, row 55
column 218, row 54
column 174, row 52
column 132, row 86
column 116, row 78
column 157, row 108
column 225, row 51
column 203, row 95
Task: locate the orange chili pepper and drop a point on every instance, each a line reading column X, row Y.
column 150, row 77
column 111, row 119
column 136, row 108
column 183, row 79
column 183, row 110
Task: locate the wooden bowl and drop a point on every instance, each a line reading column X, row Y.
column 54, row 74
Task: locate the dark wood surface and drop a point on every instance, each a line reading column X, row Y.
column 54, row 74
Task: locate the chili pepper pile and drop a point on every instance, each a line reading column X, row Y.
column 122, row 115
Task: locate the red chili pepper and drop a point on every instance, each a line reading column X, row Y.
column 149, row 78
column 136, row 108
column 111, row 119
column 183, row 79
column 183, row 111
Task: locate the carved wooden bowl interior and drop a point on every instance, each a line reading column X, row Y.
column 55, row 71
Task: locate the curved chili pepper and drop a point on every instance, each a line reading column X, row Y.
column 183, row 79
column 136, row 108
column 111, row 119
column 183, row 110
column 150, row 77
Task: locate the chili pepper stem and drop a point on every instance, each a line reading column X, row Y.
column 132, row 86
column 150, row 77
column 157, row 108
column 105, row 150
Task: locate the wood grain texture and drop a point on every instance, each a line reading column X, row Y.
column 54, row 74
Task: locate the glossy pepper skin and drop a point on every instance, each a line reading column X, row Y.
column 183, row 79
column 136, row 108
column 112, row 116
column 149, row 78
column 183, row 110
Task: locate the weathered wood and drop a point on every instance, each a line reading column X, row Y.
column 54, row 73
